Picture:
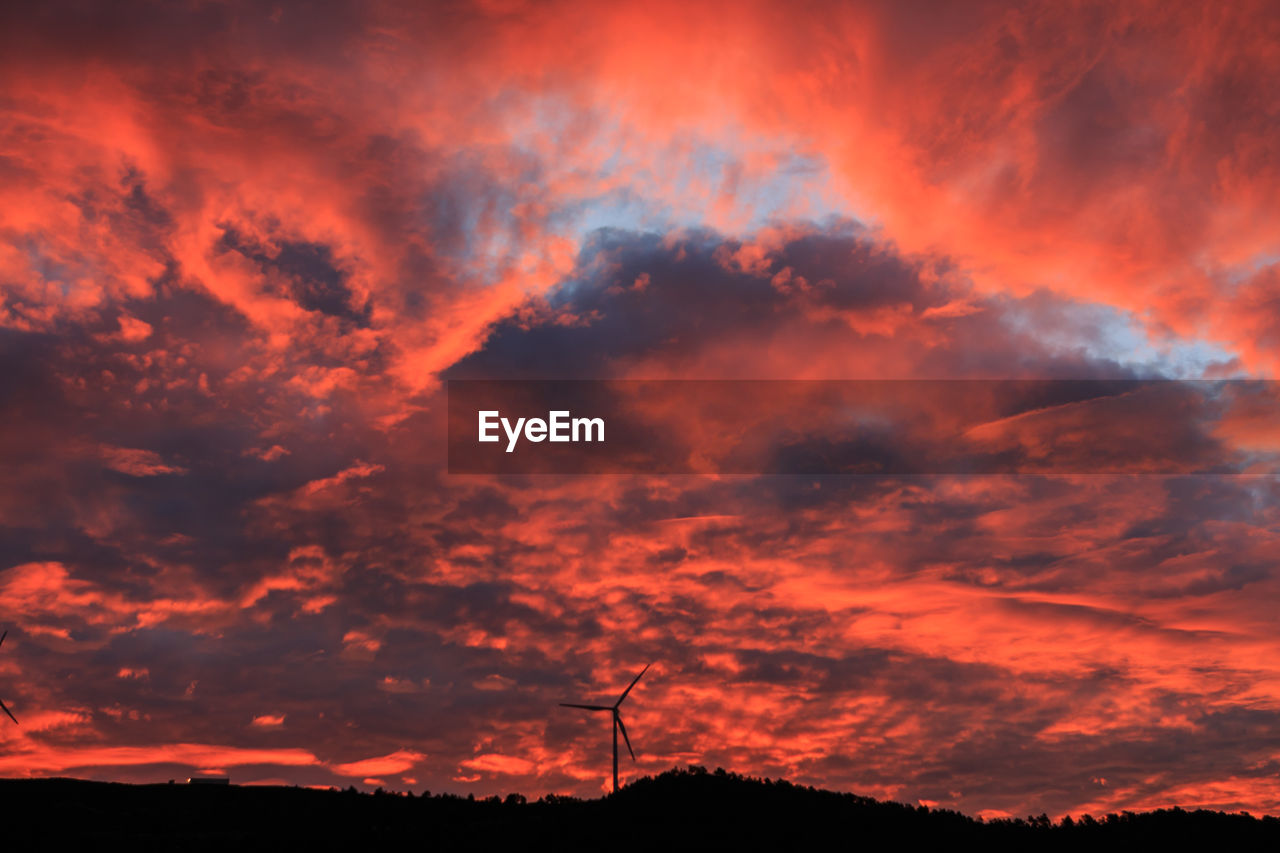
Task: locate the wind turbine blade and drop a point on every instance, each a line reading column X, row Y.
column 10, row 713
column 587, row 707
column 623, row 728
column 2, row 636
column 632, row 684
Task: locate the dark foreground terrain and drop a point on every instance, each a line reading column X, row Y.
column 681, row 809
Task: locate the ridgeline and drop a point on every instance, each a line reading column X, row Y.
column 680, row 809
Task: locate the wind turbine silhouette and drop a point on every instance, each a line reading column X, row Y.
column 4, row 707
column 617, row 723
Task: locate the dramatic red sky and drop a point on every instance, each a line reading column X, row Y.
column 243, row 244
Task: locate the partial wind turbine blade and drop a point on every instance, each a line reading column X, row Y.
column 618, row 719
column 586, row 707
column 2, row 636
column 5, row 708
column 632, row 684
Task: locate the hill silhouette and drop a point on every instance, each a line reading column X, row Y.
column 687, row 808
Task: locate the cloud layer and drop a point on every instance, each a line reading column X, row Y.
column 242, row 246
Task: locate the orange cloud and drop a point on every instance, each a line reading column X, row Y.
column 62, row 759
column 495, row 763
column 393, row 763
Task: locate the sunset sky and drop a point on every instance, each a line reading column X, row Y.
column 244, row 245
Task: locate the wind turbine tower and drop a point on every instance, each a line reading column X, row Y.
column 5, row 707
column 617, row 723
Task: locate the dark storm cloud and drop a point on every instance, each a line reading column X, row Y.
column 310, row 277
